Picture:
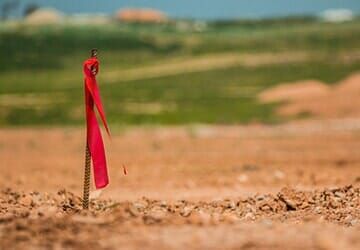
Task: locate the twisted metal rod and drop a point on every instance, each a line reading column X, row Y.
column 87, row 175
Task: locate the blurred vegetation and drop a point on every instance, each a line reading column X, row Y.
column 41, row 78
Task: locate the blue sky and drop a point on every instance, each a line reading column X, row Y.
column 204, row 9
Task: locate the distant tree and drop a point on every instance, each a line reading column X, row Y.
column 7, row 7
column 30, row 8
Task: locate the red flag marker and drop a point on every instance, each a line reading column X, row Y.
column 94, row 140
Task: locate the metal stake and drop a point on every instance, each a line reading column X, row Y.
column 87, row 175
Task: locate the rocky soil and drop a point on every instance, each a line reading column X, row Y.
column 38, row 220
column 292, row 186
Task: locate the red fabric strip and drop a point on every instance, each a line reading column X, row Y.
column 94, row 138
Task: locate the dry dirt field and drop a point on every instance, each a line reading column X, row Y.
column 292, row 186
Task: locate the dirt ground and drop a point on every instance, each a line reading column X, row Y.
column 292, row 186
column 316, row 98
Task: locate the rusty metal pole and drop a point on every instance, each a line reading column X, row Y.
column 87, row 175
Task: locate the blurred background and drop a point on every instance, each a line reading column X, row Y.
column 177, row 62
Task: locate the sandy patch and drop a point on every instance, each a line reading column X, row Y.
column 316, row 98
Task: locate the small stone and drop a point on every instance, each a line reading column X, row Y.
column 186, row 211
column 250, row 208
column 260, row 197
column 140, row 205
column 154, row 217
column 163, row 204
column 318, row 210
column 249, row 216
column 339, row 194
column 265, row 207
column 26, row 201
column 334, row 204
column 291, row 204
column 133, row 211
column 348, row 219
column 232, row 205
column 36, row 199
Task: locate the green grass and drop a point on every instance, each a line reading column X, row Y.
column 41, row 78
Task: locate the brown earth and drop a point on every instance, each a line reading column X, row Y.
column 316, row 98
column 291, row 186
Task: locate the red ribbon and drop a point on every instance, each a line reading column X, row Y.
column 94, row 139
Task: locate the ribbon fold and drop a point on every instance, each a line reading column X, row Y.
column 93, row 136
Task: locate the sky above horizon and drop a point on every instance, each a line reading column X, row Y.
column 202, row 9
